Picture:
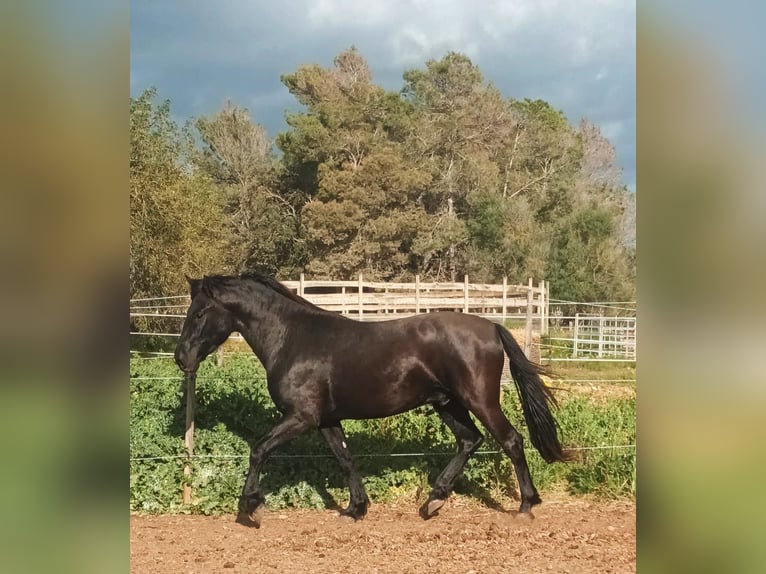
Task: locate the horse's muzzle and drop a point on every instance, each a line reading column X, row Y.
column 182, row 360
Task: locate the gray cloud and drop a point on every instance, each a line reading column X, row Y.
column 579, row 56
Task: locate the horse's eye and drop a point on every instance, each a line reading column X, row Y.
column 200, row 313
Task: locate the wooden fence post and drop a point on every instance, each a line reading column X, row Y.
column 301, row 288
column 546, row 307
column 417, row 294
column 505, row 298
column 541, row 309
column 465, row 294
column 361, row 311
column 189, row 435
column 528, row 328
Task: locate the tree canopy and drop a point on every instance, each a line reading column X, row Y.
column 441, row 178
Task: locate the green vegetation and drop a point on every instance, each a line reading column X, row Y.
column 233, row 408
column 441, row 178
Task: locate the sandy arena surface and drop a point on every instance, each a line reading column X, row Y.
column 567, row 535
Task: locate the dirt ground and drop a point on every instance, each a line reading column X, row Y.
column 566, row 535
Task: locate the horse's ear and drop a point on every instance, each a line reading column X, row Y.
column 194, row 285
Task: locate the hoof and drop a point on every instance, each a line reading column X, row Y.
column 525, row 516
column 430, row 508
column 349, row 515
column 356, row 511
column 526, row 505
column 251, row 520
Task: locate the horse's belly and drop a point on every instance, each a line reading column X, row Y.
column 381, row 401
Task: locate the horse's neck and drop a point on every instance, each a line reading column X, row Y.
column 265, row 323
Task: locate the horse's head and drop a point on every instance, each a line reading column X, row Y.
column 207, row 325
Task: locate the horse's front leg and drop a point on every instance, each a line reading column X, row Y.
column 251, row 501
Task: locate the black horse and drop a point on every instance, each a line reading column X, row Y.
column 323, row 368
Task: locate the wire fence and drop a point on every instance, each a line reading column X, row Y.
column 619, row 306
column 368, row 455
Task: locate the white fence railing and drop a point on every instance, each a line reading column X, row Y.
column 596, row 337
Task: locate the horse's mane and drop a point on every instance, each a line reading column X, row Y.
column 266, row 281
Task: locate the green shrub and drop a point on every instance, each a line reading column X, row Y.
column 233, row 409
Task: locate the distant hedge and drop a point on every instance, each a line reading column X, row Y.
column 234, row 409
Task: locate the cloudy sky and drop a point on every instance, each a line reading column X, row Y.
column 577, row 55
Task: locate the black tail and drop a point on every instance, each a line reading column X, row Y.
column 535, row 397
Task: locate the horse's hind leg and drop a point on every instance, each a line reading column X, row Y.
column 457, row 418
column 492, row 417
column 358, row 502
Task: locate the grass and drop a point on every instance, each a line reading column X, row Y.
column 593, row 371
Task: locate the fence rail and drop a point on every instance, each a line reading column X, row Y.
column 375, row 300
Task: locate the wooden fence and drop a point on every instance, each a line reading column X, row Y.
column 373, row 300
column 376, row 301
